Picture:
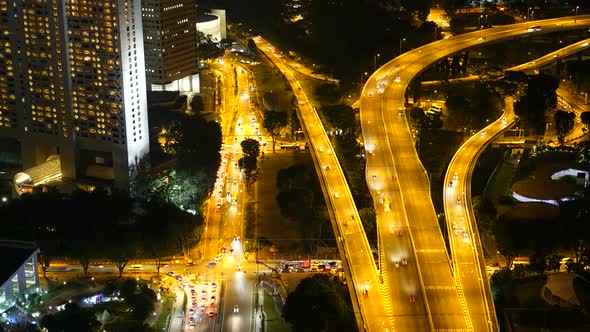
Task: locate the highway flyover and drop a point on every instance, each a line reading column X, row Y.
column 372, row 309
column 401, row 191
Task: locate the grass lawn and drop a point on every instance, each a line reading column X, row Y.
column 274, row 321
column 167, row 303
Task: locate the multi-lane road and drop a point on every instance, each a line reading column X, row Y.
column 466, row 251
column 370, row 299
column 449, row 300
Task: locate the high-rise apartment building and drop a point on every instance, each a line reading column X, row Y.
column 170, row 40
column 72, row 82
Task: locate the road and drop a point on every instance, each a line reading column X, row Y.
column 392, row 157
column 373, row 310
column 466, row 251
column 529, row 67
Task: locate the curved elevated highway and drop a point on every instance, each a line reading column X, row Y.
column 373, row 310
column 400, row 188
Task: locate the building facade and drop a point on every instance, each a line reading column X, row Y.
column 72, row 83
column 18, row 274
column 170, row 40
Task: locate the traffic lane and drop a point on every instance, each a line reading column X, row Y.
column 238, row 301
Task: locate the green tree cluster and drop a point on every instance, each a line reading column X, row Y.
column 273, row 123
column 564, row 123
column 300, row 198
column 87, row 226
column 249, row 162
column 319, row 303
column 540, row 97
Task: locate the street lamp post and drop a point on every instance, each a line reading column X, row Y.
column 375, row 61
column 528, row 14
column 479, row 22
column 576, row 16
column 400, row 44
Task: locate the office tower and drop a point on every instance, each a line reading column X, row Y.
column 170, row 40
column 72, row 82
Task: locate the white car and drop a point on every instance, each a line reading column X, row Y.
column 236, row 308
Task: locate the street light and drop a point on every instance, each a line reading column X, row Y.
column 375, row 61
column 479, row 22
column 400, row 44
column 576, row 16
column 528, row 13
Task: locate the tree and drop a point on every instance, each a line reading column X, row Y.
column 250, row 147
column 197, row 104
column 564, row 123
column 318, row 305
column 509, row 245
column 249, row 166
column 140, row 178
column 485, row 212
column 327, row 93
column 249, row 162
column 207, row 48
column 340, row 117
column 419, row 7
column 73, row 319
column 585, row 118
column 273, row 123
column 120, row 246
column 187, row 191
column 540, row 96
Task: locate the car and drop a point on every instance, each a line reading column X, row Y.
column 211, row 264
column 239, row 268
column 203, row 305
column 404, row 261
column 211, row 314
column 212, row 304
column 398, row 79
column 213, row 285
column 483, row 133
column 374, row 177
column 191, row 319
column 327, row 168
column 461, row 217
column 170, row 274
column 213, row 298
column 455, row 177
column 371, row 95
column 218, row 257
column 450, row 183
column 191, row 311
column 458, row 201
column 454, row 224
column 412, row 299
column 191, row 326
column 396, row 263
column 236, row 238
column 218, row 207
column 336, row 195
column 534, row 28
column 465, row 235
column 236, row 308
column 400, row 111
column 190, row 264
column 179, row 278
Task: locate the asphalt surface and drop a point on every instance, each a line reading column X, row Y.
column 392, row 157
column 369, row 294
column 467, row 254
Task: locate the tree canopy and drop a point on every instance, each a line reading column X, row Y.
column 317, row 304
column 564, row 123
column 273, row 123
column 540, row 97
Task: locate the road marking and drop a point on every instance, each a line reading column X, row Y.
column 440, row 287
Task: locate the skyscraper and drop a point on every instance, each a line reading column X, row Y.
column 170, row 39
column 72, row 82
